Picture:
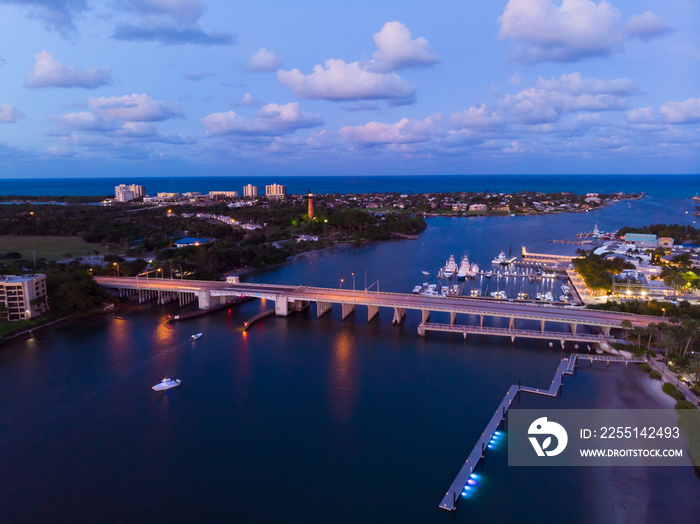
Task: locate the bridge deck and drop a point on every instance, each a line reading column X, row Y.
column 518, row 333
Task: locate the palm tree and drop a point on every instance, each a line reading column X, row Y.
column 651, row 330
column 694, row 367
column 690, row 331
column 639, row 332
column 626, row 325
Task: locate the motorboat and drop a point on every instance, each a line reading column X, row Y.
column 548, row 296
column 523, row 296
column 475, row 292
column 444, row 290
column 503, row 260
column 464, row 268
column 565, row 289
column 196, row 336
column 166, row 383
column 450, row 267
column 499, row 294
column 489, row 274
column 455, row 289
column 417, row 289
column 425, row 273
column 539, row 296
column 474, row 271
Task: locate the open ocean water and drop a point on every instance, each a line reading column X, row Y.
column 319, row 420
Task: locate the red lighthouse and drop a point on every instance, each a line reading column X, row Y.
column 311, row 205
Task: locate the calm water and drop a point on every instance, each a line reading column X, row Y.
column 305, row 419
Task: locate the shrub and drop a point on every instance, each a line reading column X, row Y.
column 652, row 353
column 645, row 367
column 672, row 391
column 685, row 404
column 655, row 374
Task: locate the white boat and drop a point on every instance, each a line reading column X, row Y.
column 499, row 294
column 196, row 336
column 444, row 290
column 450, row 267
column 475, row 292
column 548, row 296
column 463, row 268
column 503, row 260
column 166, row 383
column 455, row 289
column 432, row 287
column 489, row 274
column 425, row 273
column 417, row 289
column 538, row 296
column 565, row 289
column 474, row 271
column 523, row 296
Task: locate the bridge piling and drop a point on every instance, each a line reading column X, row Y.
column 372, row 311
column 399, row 315
column 347, row 310
column 322, row 308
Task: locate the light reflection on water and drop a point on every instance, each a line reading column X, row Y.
column 342, row 390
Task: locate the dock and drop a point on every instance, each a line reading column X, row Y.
column 566, row 367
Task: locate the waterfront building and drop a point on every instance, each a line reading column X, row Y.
column 23, row 296
column 275, row 191
column 666, row 242
column 124, row 193
column 477, row 207
column 250, row 191
column 311, row 205
column 168, row 196
column 222, row 195
column 307, row 238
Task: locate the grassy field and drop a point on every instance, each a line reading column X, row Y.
column 50, row 248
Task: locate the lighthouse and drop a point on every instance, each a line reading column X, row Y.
column 311, row 205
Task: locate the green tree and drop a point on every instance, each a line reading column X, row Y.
column 626, row 325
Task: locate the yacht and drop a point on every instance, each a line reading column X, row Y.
column 538, row 296
column 166, row 383
column 417, row 289
column 432, row 287
column 475, row 292
column 548, row 296
column 196, row 336
column 503, row 260
column 489, row 274
column 565, row 289
column 474, row 270
column 450, row 267
column 455, row 289
column 463, row 268
column 499, row 294
column 444, row 290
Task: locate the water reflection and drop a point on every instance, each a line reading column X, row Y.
column 342, row 388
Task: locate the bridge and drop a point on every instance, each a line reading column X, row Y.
column 289, row 299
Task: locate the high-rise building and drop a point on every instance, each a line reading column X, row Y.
column 124, row 193
column 23, row 296
column 221, row 195
column 311, row 205
column 250, row 191
column 275, row 191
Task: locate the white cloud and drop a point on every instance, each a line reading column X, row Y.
column 404, row 131
column 271, row 120
column 57, row 15
column 642, row 115
column 84, row 121
column 686, row 112
column 9, row 114
column 197, row 74
column 566, row 94
column 250, row 101
column 135, row 108
column 476, row 117
column 184, row 11
column 396, row 49
column 575, row 84
column 646, row 26
column 342, row 81
column 513, row 147
column 263, row 60
column 561, row 30
column 48, row 72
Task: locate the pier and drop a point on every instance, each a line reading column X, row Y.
column 566, row 367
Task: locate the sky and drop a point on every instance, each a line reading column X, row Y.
column 93, row 88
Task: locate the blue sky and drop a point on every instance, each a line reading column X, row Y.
column 216, row 87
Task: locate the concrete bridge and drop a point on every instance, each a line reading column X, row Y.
column 289, row 299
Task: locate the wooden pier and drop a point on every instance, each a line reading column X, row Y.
column 258, row 317
column 566, row 367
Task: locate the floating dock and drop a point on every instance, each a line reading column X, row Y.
column 566, row 367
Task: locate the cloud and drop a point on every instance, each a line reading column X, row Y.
column 171, row 35
column 566, row 94
column 57, row 15
column 513, row 147
column 271, row 120
column 135, row 108
column 646, row 26
column 169, row 22
column 396, row 50
column 249, row 101
column 197, row 74
column 48, row 72
column 476, row 117
column 687, row 112
column 405, row 131
column 561, row 30
column 642, row 115
column 263, row 60
column 9, row 114
column 341, row 81
column 86, row 121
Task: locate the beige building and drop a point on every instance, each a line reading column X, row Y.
column 250, row 191
column 666, row 242
column 275, row 191
column 19, row 294
column 222, row 195
column 124, row 193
